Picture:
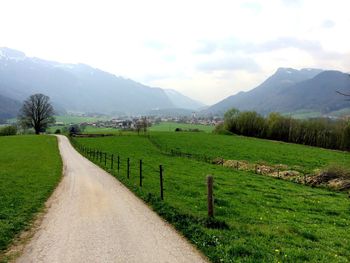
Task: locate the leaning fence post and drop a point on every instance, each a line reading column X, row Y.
column 105, row 159
column 128, row 168
column 161, row 182
column 112, row 161
column 140, row 173
column 210, row 181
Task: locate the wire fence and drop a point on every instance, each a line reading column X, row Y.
column 176, row 152
column 121, row 166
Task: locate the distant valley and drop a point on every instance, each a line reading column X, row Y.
column 84, row 89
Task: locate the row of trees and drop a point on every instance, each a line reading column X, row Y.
column 320, row 132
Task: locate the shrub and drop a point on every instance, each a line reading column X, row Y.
column 58, row 131
column 74, row 129
column 8, row 130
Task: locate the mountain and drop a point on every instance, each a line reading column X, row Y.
column 8, row 107
column 79, row 87
column 181, row 101
column 317, row 94
column 291, row 90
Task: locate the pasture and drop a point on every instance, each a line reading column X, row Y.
column 171, row 126
column 70, row 119
column 301, row 157
column 30, row 169
column 257, row 218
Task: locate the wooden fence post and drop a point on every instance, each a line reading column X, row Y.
column 118, row 166
column 105, row 159
column 140, row 173
column 210, row 182
column 161, row 182
column 100, row 157
column 112, row 161
column 128, row 168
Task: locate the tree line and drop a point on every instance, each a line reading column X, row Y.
column 320, row 132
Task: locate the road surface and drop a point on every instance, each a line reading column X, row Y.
column 94, row 218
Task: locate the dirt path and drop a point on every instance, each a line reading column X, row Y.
column 94, row 218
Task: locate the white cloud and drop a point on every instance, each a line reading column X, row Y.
column 206, row 49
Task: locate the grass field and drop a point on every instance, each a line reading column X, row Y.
column 254, row 150
column 258, row 218
column 68, row 119
column 30, row 168
column 88, row 129
column 171, row 126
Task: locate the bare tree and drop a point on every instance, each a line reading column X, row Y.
column 36, row 112
column 144, row 124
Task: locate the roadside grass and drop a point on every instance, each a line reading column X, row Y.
column 233, row 147
column 30, row 169
column 171, row 126
column 257, row 218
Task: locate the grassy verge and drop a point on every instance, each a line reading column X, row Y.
column 30, row 168
column 258, row 219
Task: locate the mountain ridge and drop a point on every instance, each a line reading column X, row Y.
column 78, row 87
column 283, row 92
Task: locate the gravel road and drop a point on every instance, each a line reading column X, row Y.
column 94, row 218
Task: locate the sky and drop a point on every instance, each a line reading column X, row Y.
column 207, row 50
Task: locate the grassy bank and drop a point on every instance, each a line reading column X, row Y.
column 30, row 168
column 258, row 218
column 252, row 149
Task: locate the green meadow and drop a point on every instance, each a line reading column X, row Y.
column 233, row 147
column 171, row 126
column 30, row 169
column 257, row 218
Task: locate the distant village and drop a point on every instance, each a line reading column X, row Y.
column 132, row 123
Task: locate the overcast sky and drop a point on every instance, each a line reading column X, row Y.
column 207, row 50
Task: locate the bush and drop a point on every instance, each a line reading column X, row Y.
column 58, row 131
column 8, row 130
column 220, row 129
column 74, row 129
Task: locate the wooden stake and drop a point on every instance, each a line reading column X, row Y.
column 210, row 182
